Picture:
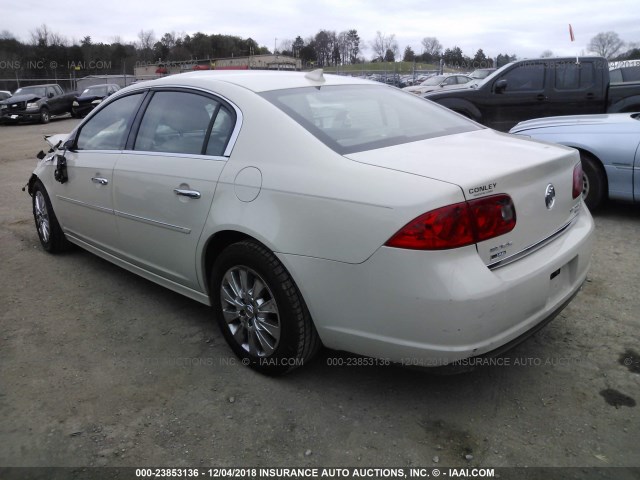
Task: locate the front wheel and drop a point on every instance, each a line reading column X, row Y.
column 260, row 311
column 593, row 181
column 44, row 115
column 51, row 235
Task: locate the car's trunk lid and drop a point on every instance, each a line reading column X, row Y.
column 486, row 162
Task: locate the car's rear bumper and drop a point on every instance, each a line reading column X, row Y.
column 433, row 308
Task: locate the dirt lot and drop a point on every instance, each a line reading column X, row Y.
column 100, row 367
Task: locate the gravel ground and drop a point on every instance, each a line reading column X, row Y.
column 99, row 367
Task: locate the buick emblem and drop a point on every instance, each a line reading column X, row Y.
column 550, row 196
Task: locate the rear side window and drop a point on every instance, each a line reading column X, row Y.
column 354, row 118
column 179, row 122
column 574, row 76
column 220, row 132
column 108, row 129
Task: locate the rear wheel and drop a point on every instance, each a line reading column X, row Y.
column 51, row 235
column 260, row 311
column 593, row 181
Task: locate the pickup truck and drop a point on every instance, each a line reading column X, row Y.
column 541, row 88
column 36, row 103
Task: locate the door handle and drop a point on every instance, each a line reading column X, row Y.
column 541, row 97
column 590, row 96
column 99, row 180
column 187, row 193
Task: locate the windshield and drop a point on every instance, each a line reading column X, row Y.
column 97, row 90
column 37, row 91
column 433, row 81
column 350, row 118
column 495, row 74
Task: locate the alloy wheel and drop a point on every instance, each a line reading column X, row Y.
column 250, row 311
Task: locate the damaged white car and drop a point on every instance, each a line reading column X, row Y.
column 310, row 210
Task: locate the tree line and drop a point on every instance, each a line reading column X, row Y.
column 48, row 53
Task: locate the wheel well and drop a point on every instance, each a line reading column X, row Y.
column 600, row 166
column 466, row 113
column 31, row 182
column 215, row 245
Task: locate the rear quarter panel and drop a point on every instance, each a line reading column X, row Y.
column 614, row 150
column 312, row 201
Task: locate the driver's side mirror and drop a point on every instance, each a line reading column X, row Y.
column 70, row 144
column 501, row 85
column 51, row 95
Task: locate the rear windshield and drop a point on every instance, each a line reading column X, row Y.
column 355, row 118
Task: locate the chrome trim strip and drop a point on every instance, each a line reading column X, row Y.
column 156, row 223
column 536, row 246
column 624, row 166
column 147, row 153
column 83, row 204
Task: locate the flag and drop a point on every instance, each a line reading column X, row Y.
column 573, row 39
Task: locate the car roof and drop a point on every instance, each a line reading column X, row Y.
column 103, row 85
column 259, row 80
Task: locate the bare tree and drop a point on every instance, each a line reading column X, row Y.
column 546, row 54
column 43, row 37
column 147, row 40
column 381, row 43
column 40, row 36
column 606, row 44
column 431, row 46
column 285, row 45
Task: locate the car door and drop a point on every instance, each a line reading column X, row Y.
column 87, row 213
column 517, row 95
column 53, row 100
column 576, row 89
column 166, row 180
column 636, row 175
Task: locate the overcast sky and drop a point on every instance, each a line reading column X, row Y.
column 524, row 27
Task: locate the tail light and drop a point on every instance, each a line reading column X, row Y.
column 577, row 180
column 458, row 225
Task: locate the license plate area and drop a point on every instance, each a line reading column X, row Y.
column 561, row 281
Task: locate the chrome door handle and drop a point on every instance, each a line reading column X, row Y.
column 99, row 180
column 187, row 193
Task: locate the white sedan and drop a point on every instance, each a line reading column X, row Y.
column 313, row 210
column 440, row 82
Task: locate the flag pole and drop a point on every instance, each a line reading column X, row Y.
column 573, row 39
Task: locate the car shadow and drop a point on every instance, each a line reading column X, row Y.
column 617, row 209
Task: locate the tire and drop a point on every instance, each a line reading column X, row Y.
column 593, row 181
column 268, row 328
column 50, row 234
column 44, row 115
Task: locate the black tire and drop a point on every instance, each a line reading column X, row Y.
column 594, row 185
column 276, row 339
column 50, row 234
column 44, row 115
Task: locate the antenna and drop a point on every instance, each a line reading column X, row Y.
column 315, row 75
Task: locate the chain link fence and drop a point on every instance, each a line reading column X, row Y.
column 14, row 75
